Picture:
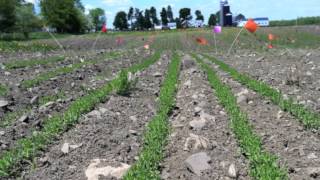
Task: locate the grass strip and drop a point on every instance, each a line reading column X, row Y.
column 27, row 148
column 60, row 71
column 155, row 137
column 3, row 90
column 263, row 165
column 306, row 116
column 33, row 62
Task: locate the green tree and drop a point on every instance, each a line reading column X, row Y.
column 130, row 16
column 240, row 17
column 154, row 17
column 164, row 17
column 95, row 15
column 27, row 21
column 64, row 15
column 178, row 22
column 185, row 16
column 170, row 14
column 218, row 17
column 212, row 20
column 147, row 17
column 7, row 15
column 140, row 20
column 199, row 15
column 121, row 21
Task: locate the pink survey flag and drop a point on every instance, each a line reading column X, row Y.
column 217, row 29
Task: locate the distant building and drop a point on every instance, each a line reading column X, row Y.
column 198, row 24
column 225, row 13
column 186, row 23
column 263, row 22
column 172, row 25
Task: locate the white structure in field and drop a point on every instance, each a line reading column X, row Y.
column 198, row 24
column 172, row 25
column 263, row 22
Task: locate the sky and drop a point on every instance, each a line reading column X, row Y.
column 274, row 9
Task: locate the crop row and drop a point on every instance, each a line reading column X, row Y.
column 3, row 90
column 10, row 117
column 33, row 62
column 59, row 71
column 307, row 117
column 157, row 131
column 28, row 147
column 263, row 165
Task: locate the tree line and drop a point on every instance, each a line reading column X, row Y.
column 68, row 16
column 135, row 19
column 62, row 16
column 298, row 21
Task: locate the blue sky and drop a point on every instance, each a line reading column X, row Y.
column 274, row 9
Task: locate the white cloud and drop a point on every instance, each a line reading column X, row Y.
column 31, row 1
column 88, row 7
column 118, row 2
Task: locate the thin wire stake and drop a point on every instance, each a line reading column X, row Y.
column 235, row 41
column 56, row 40
column 215, row 42
column 95, row 42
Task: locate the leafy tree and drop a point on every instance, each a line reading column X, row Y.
column 218, row 17
column 95, row 15
column 170, row 14
column 7, row 15
column 164, row 17
column 120, row 21
column 130, row 16
column 153, row 14
column 199, row 15
column 212, row 20
column 178, row 22
column 147, row 17
column 185, row 16
column 64, row 15
column 79, row 5
column 240, row 17
column 27, row 21
column 140, row 20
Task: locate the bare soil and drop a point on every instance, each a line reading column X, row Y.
column 298, row 149
column 196, row 103
column 111, row 133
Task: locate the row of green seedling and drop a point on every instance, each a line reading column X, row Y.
column 10, row 117
column 156, row 133
column 33, row 62
column 28, row 148
column 309, row 118
column 263, row 165
column 60, row 71
column 3, row 90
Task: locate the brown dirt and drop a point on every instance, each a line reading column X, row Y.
column 298, row 149
column 111, row 133
column 296, row 75
column 83, row 79
column 195, row 100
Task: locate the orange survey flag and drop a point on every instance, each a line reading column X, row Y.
column 251, row 26
column 104, row 28
column 271, row 37
column 202, row 41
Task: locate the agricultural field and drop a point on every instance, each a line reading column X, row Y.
column 161, row 105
